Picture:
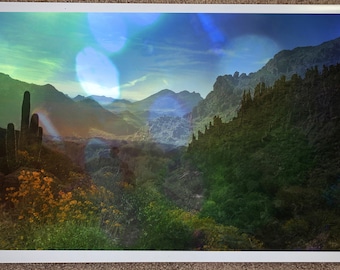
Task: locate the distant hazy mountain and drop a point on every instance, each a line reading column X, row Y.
column 160, row 116
column 163, row 103
column 102, row 100
column 166, row 102
column 59, row 114
column 227, row 91
column 118, row 105
column 79, row 98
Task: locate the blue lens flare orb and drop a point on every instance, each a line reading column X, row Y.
column 97, row 74
column 109, row 30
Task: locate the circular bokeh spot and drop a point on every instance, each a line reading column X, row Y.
column 97, row 74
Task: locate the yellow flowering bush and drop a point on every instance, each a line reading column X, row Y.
column 76, row 205
column 34, row 201
column 41, row 210
column 37, row 201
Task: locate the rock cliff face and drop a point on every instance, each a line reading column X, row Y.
column 288, row 62
column 168, row 130
column 165, row 117
column 225, row 98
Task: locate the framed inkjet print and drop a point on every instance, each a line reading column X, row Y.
column 169, row 132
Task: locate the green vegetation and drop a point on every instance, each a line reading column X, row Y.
column 268, row 179
column 167, row 227
column 271, row 169
column 38, row 215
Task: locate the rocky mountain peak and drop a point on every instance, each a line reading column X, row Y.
column 225, row 83
column 227, row 91
column 288, row 62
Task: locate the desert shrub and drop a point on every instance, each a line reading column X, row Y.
column 38, row 208
column 161, row 231
column 34, row 201
column 209, row 235
column 70, row 235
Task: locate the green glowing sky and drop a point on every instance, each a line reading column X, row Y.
column 135, row 55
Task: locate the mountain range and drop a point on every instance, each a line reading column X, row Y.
column 59, row 114
column 103, row 100
column 89, row 116
column 224, row 99
column 164, row 102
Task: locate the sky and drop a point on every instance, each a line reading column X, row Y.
column 133, row 55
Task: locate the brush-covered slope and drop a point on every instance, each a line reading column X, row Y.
column 59, row 115
column 273, row 171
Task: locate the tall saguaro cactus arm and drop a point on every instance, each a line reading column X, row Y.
column 28, row 140
column 35, row 136
column 34, row 128
column 25, row 118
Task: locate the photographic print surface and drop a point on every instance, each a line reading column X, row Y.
column 169, row 131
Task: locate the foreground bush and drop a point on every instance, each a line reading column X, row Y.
column 40, row 215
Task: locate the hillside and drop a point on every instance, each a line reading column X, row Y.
column 227, row 91
column 273, row 171
column 93, row 115
column 166, row 102
column 118, row 105
column 102, row 100
column 60, row 115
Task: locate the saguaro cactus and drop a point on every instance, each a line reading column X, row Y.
column 35, row 136
column 28, row 139
column 29, row 133
column 25, row 117
column 34, row 129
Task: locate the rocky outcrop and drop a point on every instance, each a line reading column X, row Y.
column 225, row 98
column 170, row 130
